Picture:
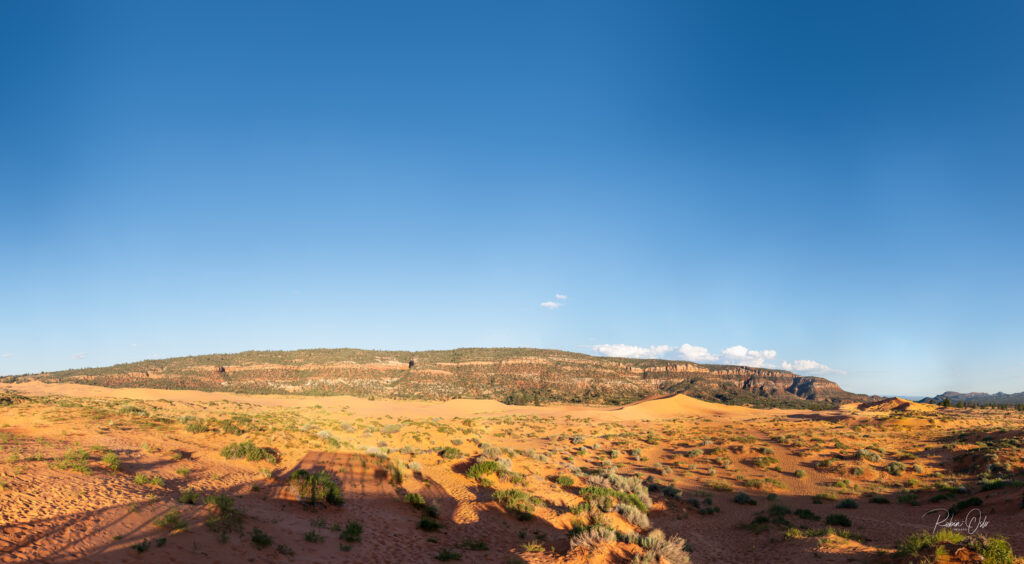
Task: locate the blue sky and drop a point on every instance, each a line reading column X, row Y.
column 835, row 187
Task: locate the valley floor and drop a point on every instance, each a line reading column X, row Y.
column 91, row 474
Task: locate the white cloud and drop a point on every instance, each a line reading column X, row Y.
column 812, row 367
column 6, row 355
column 738, row 354
column 633, row 351
column 559, row 302
column 77, row 356
column 694, row 353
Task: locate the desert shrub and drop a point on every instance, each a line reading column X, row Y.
column 765, row 461
column 353, row 532
column 450, row 453
column 480, row 469
column 895, row 468
column 658, row 548
column 918, row 542
column 473, row 545
column 416, row 500
column 446, row 555
column 261, row 539
column 592, row 538
column 171, row 520
column 248, row 451
column 878, row 499
column 428, row 524
column 634, row 516
column 961, row 505
column 849, row 503
column 564, row 481
column 744, row 499
column 837, row 520
column 869, row 455
column 517, row 500
column 806, row 514
column 800, row 473
column 313, row 536
column 316, row 487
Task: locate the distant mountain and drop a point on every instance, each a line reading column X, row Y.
column 511, row 375
column 979, row 398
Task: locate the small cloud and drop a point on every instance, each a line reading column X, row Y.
column 694, row 353
column 6, row 355
column 812, row 367
column 134, row 345
column 77, row 356
column 559, row 302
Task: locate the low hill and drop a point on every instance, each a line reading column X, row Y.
column 511, row 375
column 979, row 398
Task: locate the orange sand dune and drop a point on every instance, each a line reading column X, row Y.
column 658, row 408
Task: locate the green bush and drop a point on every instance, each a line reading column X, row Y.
column 837, row 520
column 260, row 539
column 517, row 500
column 171, row 520
column 353, row 531
column 188, row 496
column 416, row 500
column 564, row 481
column 847, row 504
column 450, row 453
column 248, row 451
column 316, row 487
column 480, row 469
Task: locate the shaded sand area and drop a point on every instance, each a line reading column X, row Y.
column 90, row 474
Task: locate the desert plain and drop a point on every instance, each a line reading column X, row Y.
column 95, row 474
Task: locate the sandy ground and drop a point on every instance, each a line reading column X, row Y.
column 693, row 456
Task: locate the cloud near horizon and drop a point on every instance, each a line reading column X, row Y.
column 736, row 354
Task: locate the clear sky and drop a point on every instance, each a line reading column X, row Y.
column 836, row 187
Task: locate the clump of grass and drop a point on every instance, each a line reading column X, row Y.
column 353, row 532
column 76, row 459
column 171, row 520
column 564, row 481
column 261, row 539
column 248, row 451
column 416, row 500
column 313, row 536
column 450, row 453
column 848, row 503
column 837, row 520
column 188, row 496
column 446, row 555
column 145, row 480
column 518, row 501
column 111, row 461
column 744, row 499
column 316, row 487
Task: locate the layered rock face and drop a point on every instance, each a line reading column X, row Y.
column 510, row 375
